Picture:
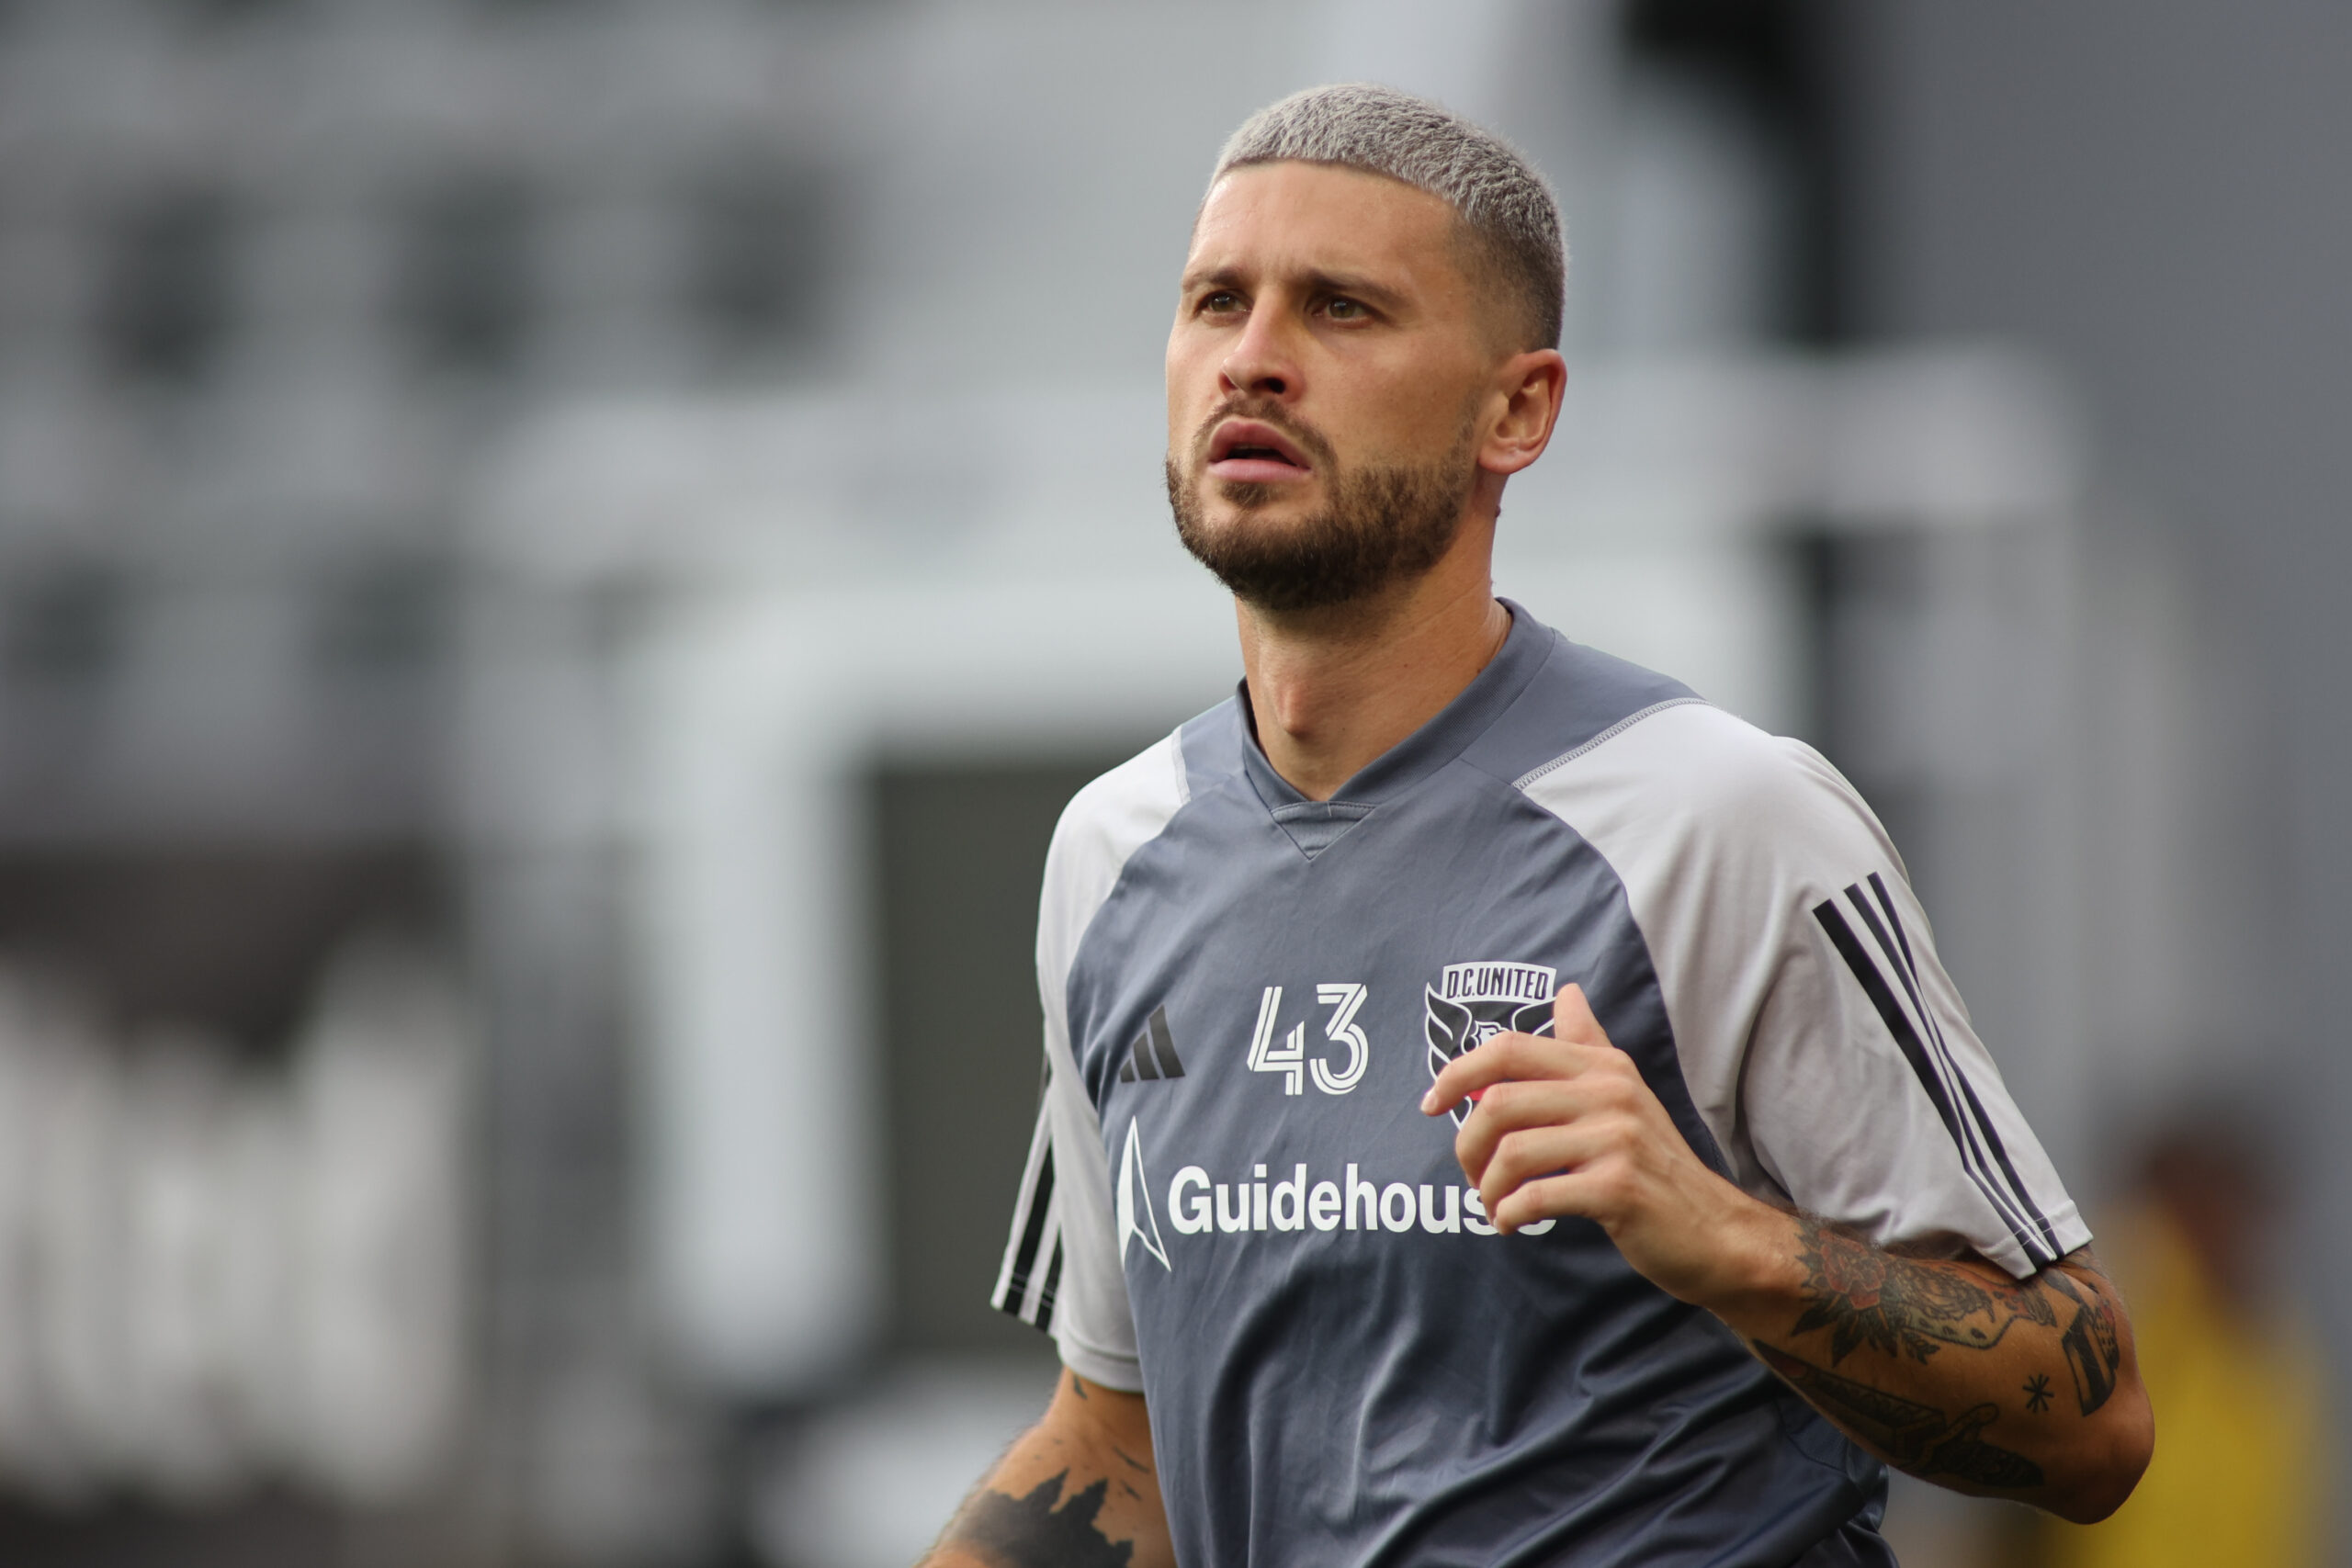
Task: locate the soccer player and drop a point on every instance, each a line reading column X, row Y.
column 1500, row 1109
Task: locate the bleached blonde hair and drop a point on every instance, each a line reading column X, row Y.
column 1507, row 213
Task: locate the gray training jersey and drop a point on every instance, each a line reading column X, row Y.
column 1235, row 1205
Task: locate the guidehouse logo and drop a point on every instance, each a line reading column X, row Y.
column 1294, row 1203
column 1471, row 1003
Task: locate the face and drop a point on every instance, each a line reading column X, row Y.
column 1327, row 375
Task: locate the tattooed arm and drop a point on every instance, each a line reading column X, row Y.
column 1077, row 1490
column 1946, row 1368
column 1949, row 1369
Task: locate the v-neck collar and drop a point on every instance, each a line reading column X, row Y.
column 1436, row 743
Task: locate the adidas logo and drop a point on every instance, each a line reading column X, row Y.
column 1153, row 1056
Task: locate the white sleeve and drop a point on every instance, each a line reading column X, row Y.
column 1823, row 1044
column 1061, row 1265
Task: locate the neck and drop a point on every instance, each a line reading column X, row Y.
column 1334, row 688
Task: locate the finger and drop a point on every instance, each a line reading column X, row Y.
column 1471, row 1073
column 1508, row 1108
column 1535, row 1153
column 1571, row 1194
column 1572, row 1019
column 1505, row 1058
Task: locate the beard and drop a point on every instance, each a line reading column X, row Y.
column 1382, row 523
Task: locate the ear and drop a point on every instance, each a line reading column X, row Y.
column 1526, row 394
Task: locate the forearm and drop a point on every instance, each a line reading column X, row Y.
column 1077, row 1490
column 1917, row 1359
column 1951, row 1370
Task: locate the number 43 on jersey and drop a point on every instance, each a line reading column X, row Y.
column 1290, row 1058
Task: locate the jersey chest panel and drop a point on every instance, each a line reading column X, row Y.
column 1322, row 1313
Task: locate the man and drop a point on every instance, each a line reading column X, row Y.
column 1439, row 895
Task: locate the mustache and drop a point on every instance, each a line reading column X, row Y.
column 1265, row 411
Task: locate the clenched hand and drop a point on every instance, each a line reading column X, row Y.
column 1565, row 1125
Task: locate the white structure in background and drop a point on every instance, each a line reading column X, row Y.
column 211, row 1275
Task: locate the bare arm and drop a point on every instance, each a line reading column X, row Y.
column 1077, row 1490
column 1955, row 1372
column 1948, row 1370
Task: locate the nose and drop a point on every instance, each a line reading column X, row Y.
column 1260, row 361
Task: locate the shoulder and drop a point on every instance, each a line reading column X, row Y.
column 1106, row 822
column 1127, row 807
column 1685, row 771
column 1699, row 757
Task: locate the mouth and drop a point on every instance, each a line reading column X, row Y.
column 1245, row 451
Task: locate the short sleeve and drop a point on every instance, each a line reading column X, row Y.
column 1061, row 1269
column 1822, row 1041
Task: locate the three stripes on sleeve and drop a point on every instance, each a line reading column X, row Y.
column 1022, row 1290
column 1921, row 1039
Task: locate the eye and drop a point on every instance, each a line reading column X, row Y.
column 1339, row 308
column 1219, row 302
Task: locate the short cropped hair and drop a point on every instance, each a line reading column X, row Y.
column 1507, row 210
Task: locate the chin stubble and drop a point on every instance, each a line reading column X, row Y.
column 1382, row 524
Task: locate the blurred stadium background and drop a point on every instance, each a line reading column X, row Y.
column 560, row 558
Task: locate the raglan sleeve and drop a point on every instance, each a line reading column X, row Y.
column 1821, row 1040
column 1061, row 1269
column 1866, row 1096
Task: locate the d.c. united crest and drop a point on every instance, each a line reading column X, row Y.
column 1471, row 1003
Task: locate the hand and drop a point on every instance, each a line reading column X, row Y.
column 1566, row 1125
